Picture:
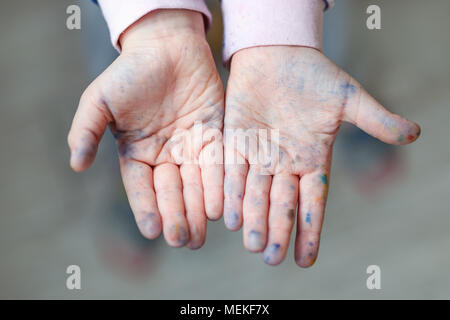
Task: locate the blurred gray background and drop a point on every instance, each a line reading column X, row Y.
column 387, row 206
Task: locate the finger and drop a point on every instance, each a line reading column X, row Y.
column 365, row 112
column 234, row 186
column 88, row 126
column 313, row 197
column 255, row 209
column 170, row 203
column 138, row 182
column 193, row 201
column 283, row 204
column 212, row 178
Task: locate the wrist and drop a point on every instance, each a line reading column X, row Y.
column 163, row 23
column 252, row 23
column 270, row 53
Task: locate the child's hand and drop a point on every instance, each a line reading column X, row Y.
column 163, row 83
column 306, row 96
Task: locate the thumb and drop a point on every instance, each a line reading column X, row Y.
column 370, row 116
column 87, row 129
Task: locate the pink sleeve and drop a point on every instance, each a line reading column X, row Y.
column 253, row 23
column 120, row 14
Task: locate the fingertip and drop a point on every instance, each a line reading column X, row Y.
column 254, row 241
column 177, row 243
column 408, row 135
column 415, row 133
column 150, row 235
column 195, row 245
column 419, row 130
column 214, row 212
column 177, row 236
column 370, row 116
column 271, row 263
column 232, row 220
column 150, row 226
column 76, row 167
column 305, row 258
column 197, row 234
column 82, row 153
column 305, row 263
column 232, row 229
column 273, row 254
column 81, row 160
column 306, row 249
column 253, row 249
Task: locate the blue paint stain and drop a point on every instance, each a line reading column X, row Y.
column 86, row 152
column 150, row 224
column 126, row 150
column 308, row 218
column 271, row 251
column 254, row 240
column 324, row 179
column 254, row 233
column 232, row 220
column 347, row 89
column 180, row 234
column 311, row 244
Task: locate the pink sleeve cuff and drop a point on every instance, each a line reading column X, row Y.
column 253, row 23
column 120, row 14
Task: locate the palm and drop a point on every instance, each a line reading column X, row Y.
column 304, row 97
column 148, row 99
column 303, row 144
column 152, row 102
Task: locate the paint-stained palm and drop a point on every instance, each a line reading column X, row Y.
column 305, row 96
column 161, row 85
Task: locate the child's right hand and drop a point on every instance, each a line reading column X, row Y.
column 305, row 96
column 164, row 81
